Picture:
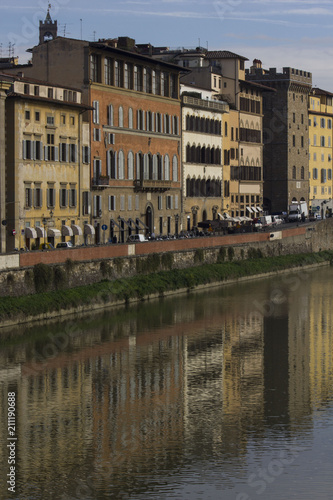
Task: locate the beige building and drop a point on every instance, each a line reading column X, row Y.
column 47, row 164
column 202, row 177
column 320, row 151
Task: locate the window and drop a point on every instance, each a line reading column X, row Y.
column 294, row 140
column 175, row 168
column 94, row 67
column 315, row 174
column 26, row 88
column 96, row 112
column 110, row 115
column 329, row 123
column 72, row 196
column 160, row 202
column 27, row 115
column 294, row 172
column 72, row 153
column 63, row 152
column 129, row 202
column 130, row 118
column 86, row 203
column 120, row 117
column 50, row 120
column 130, row 165
column 226, row 129
column 97, row 168
column 322, row 122
column 27, row 150
column 169, row 202
column 63, row 119
column 322, row 141
column 122, row 202
column 86, row 154
column 72, row 120
column 329, row 174
column 118, row 73
column 323, row 175
column 50, row 93
column 302, row 173
column 112, row 202
column 38, row 201
column 121, row 165
column 63, row 197
column 38, row 150
column 28, row 197
column 166, row 168
column 51, row 197
column 97, row 134
column 97, row 206
column 37, row 116
column 108, row 71
column 51, row 152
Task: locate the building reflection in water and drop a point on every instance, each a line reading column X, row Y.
column 145, row 392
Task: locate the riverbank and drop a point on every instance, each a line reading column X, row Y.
column 107, row 293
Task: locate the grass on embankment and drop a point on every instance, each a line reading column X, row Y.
column 141, row 286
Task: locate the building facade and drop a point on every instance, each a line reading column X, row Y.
column 202, row 179
column 47, row 175
column 286, row 135
column 320, row 151
column 135, row 131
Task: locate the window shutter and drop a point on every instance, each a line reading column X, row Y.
column 95, row 206
column 24, row 150
column 56, row 154
column 46, row 156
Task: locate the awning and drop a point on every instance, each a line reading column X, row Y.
column 66, row 230
column 259, row 209
column 131, row 221
column 40, row 232
column 254, row 209
column 30, row 232
column 89, row 229
column 249, row 209
column 52, row 231
column 77, row 231
column 114, row 223
column 128, row 224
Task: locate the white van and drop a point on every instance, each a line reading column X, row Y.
column 136, row 238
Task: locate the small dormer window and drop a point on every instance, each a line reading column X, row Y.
column 26, row 88
column 50, row 93
column 36, row 90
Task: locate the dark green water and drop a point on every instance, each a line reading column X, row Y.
column 226, row 394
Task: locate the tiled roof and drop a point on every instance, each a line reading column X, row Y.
column 223, row 54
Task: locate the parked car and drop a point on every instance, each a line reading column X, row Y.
column 65, row 244
column 136, row 238
column 46, row 246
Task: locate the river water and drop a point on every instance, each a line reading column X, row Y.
column 223, row 394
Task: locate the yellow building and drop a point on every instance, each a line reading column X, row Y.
column 320, row 151
column 47, row 165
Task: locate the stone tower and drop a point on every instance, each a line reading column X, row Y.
column 47, row 29
column 286, row 135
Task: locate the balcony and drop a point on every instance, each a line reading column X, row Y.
column 151, row 185
column 100, row 182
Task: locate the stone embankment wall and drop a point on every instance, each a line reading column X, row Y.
column 87, row 265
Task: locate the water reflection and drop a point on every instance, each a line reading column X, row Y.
column 174, row 397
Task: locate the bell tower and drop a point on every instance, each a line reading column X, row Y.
column 47, row 29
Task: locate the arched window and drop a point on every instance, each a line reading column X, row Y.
column 294, row 172
column 159, row 167
column 121, row 165
column 302, row 173
column 188, row 153
column 166, row 168
column 155, row 169
column 175, row 168
column 188, row 187
column 120, row 117
column 145, row 167
column 139, row 165
column 110, row 115
column 203, row 188
column 130, row 165
column 192, row 187
column 130, row 118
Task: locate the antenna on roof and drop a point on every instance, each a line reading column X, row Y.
column 94, row 36
column 81, row 27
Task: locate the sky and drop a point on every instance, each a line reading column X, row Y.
column 280, row 33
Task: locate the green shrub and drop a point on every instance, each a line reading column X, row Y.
column 222, row 254
column 199, row 255
column 231, row 253
column 59, row 277
column 105, row 268
column 167, row 260
column 42, row 277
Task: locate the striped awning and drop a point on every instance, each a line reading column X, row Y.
column 66, row 230
column 30, row 232
column 249, row 209
column 55, row 233
column 89, row 229
column 77, row 231
column 40, row 232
